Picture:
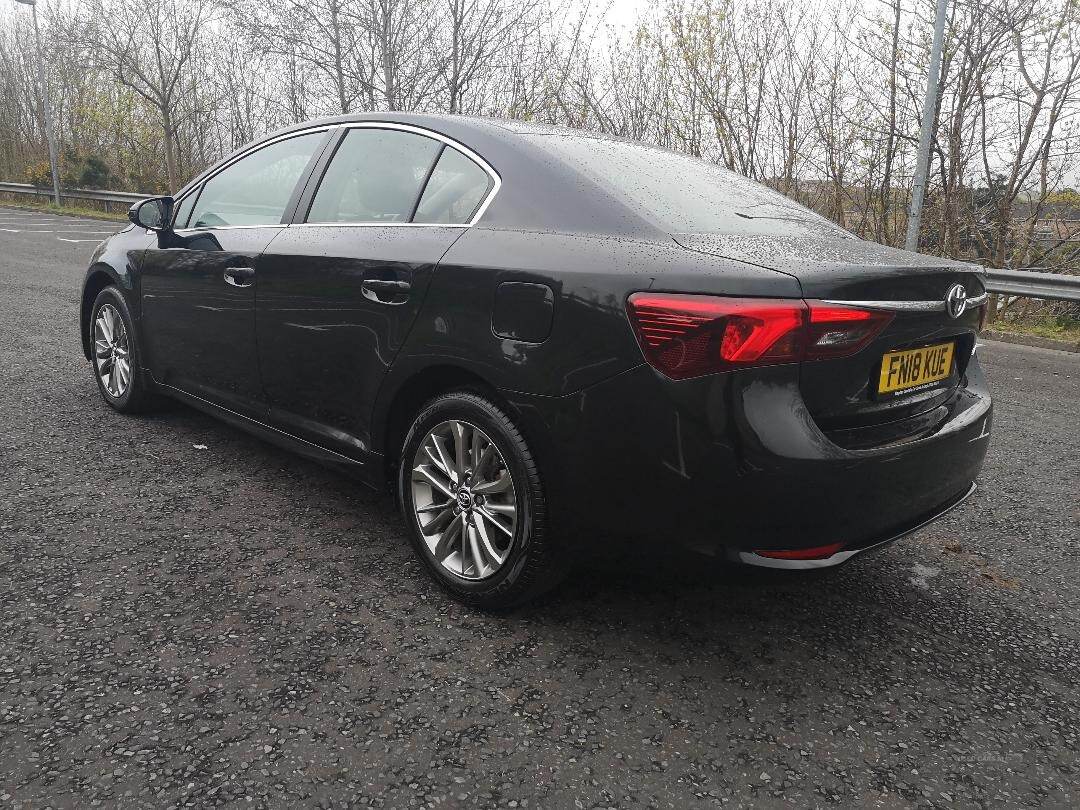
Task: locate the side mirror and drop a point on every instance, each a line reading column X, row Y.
column 154, row 213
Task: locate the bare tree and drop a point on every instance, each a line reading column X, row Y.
column 148, row 48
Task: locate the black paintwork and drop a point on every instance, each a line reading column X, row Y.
column 523, row 311
column 338, row 332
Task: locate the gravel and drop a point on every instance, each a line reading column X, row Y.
column 191, row 617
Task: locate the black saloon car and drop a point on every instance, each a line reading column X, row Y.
column 542, row 338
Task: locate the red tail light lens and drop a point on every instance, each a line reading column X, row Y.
column 839, row 331
column 816, row 553
column 685, row 336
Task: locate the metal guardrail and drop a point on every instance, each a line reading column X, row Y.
column 118, row 197
column 1051, row 286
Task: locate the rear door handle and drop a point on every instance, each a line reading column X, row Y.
column 240, row 276
column 385, row 291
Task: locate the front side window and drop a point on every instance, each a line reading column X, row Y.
column 256, row 189
column 183, row 210
column 454, row 192
column 375, row 177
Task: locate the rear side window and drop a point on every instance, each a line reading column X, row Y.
column 256, row 189
column 454, row 192
column 375, row 177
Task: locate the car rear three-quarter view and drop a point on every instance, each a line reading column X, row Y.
column 542, row 340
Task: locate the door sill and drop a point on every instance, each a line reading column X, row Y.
column 367, row 470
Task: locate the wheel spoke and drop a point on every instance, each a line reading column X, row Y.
column 486, row 543
column 424, row 474
column 439, row 522
column 440, row 448
column 438, row 462
column 485, row 459
column 124, row 370
column 495, row 523
column 101, row 348
column 475, row 450
column 458, row 429
column 500, row 484
column 446, row 542
column 433, row 507
column 110, row 316
column 103, row 326
column 474, row 549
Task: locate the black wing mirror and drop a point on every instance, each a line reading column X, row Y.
column 154, row 213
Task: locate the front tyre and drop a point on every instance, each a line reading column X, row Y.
column 473, row 502
column 115, row 354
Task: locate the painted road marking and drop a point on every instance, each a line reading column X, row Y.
column 24, row 230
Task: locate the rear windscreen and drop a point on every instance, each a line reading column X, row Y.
column 682, row 194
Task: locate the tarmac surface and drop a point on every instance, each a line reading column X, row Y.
column 234, row 625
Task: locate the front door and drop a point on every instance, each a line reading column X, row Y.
column 199, row 283
column 338, row 292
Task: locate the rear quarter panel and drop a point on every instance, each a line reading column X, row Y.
column 591, row 277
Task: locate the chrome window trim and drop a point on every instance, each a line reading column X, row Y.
column 379, row 225
column 496, row 180
column 427, row 133
column 229, row 227
column 236, row 159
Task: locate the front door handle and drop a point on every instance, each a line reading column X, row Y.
column 385, row 291
column 240, row 276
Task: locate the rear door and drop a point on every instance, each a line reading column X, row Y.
column 340, row 288
column 199, row 283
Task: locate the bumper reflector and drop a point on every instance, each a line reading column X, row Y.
column 816, row 553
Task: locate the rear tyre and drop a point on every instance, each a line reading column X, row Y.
column 116, row 356
column 473, row 503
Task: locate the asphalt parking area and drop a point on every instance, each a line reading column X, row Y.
column 73, row 230
column 190, row 617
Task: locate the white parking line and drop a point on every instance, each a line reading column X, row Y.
column 26, row 230
column 62, row 239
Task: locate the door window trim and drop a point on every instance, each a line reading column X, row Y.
column 297, row 189
column 496, row 180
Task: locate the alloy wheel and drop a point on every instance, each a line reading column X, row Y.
column 112, row 356
column 464, row 498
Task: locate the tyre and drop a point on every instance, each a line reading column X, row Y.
column 473, row 502
column 115, row 354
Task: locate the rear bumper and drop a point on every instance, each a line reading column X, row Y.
column 833, row 560
column 732, row 464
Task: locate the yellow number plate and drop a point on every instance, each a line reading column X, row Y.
column 914, row 368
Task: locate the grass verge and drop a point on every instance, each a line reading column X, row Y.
column 67, row 210
column 1065, row 329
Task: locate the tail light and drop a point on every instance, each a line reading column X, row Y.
column 685, row 336
column 838, row 331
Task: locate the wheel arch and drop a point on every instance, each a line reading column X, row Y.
column 98, row 277
column 393, row 419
